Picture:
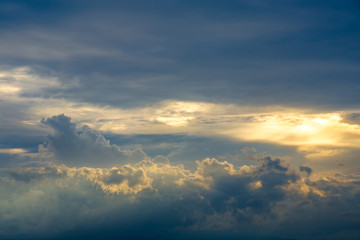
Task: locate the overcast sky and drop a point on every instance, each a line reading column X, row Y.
column 180, row 119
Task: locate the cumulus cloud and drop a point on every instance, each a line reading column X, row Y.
column 85, row 147
column 216, row 199
column 90, row 188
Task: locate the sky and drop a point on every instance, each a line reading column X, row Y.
column 180, row 119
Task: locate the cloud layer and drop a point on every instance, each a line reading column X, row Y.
column 135, row 53
column 65, row 196
column 316, row 134
column 179, row 113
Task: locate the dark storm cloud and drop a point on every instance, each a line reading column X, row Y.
column 131, row 53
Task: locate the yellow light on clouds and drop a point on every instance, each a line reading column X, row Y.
column 298, row 129
column 12, row 150
column 178, row 121
column 171, row 117
column 314, row 134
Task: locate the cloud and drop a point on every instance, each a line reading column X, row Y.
column 84, row 148
column 308, row 170
column 125, row 57
column 36, row 173
column 326, row 134
column 164, row 200
column 265, row 73
column 317, row 134
column 352, row 118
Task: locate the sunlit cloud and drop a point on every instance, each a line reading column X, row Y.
column 7, row 89
column 79, row 163
column 13, row 150
column 215, row 196
column 25, row 79
column 299, row 128
column 285, row 128
column 316, row 152
column 180, row 113
column 315, row 134
column 179, row 120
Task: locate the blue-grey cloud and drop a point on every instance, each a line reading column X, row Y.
column 167, row 201
column 84, row 148
column 71, row 196
column 306, row 169
column 352, row 118
column 124, row 54
column 130, row 54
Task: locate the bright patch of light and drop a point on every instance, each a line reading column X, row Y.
column 321, row 121
column 305, row 128
column 8, row 89
column 174, row 121
column 12, row 150
column 294, row 127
